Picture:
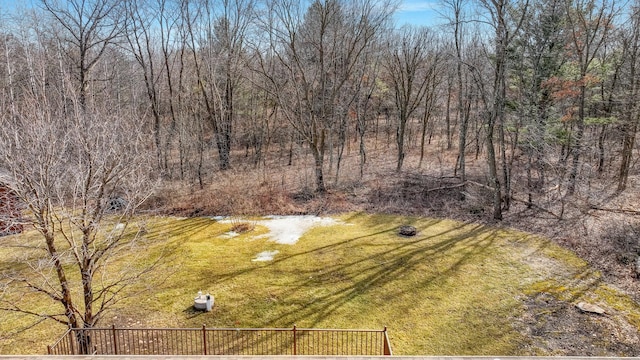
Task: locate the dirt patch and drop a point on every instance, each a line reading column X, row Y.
column 559, row 328
column 545, row 267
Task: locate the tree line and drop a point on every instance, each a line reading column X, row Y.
column 550, row 82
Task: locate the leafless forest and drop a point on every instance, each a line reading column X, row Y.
column 520, row 111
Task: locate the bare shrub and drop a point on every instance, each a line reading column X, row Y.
column 242, row 227
column 622, row 239
column 415, row 192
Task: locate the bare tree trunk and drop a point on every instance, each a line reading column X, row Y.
column 342, row 139
column 411, row 73
column 463, row 117
column 631, row 42
column 317, row 150
column 429, row 106
column 576, row 149
column 506, row 167
column 448, row 114
column 628, row 144
column 601, row 150
column 140, row 43
column 400, row 136
column 493, row 172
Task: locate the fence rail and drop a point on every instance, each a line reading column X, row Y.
column 205, row 341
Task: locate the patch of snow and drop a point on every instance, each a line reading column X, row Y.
column 266, row 256
column 289, row 229
column 229, row 235
column 120, row 226
column 286, row 230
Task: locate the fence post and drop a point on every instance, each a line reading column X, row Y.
column 71, row 337
column 295, row 341
column 387, row 345
column 115, row 339
column 204, row 339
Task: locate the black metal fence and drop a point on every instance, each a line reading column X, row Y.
column 203, row 341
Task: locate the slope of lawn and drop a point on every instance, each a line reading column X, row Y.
column 453, row 289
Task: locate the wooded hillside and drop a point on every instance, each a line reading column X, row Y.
column 546, row 91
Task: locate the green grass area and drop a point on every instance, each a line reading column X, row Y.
column 454, row 289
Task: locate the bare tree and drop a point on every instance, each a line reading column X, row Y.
column 216, row 36
column 431, row 101
column 142, row 17
column 86, row 29
column 457, row 21
column 172, row 43
column 367, row 98
column 506, row 18
column 230, row 32
column 81, row 174
column 411, row 65
column 314, row 53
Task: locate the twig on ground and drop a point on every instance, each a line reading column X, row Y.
column 618, row 211
column 479, row 184
column 446, row 187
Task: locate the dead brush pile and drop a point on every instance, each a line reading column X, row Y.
column 415, row 193
column 232, row 193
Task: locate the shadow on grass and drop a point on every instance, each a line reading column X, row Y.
column 365, row 273
column 188, row 228
column 191, row 313
column 220, row 278
column 403, row 258
column 391, row 261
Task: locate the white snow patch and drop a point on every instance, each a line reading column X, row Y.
column 289, row 229
column 119, row 226
column 229, row 235
column 266, row 255
column 286, row 230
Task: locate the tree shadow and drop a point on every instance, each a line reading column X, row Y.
column 406, row 257
column 187, row 228
column 391, row 261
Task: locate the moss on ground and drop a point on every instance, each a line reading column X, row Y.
column 453, row 289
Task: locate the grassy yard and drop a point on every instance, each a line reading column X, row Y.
column 453, row 289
